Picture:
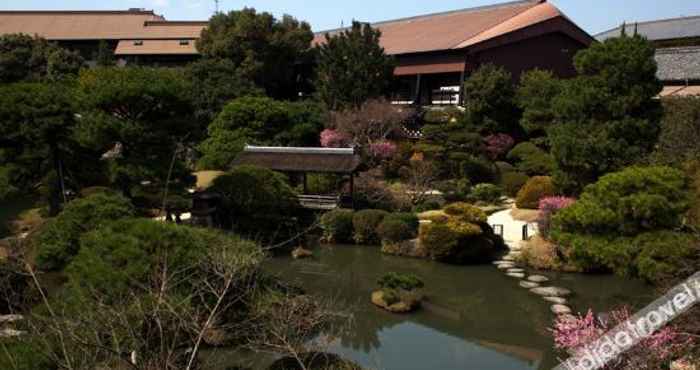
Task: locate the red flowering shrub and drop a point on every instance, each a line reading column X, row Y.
column 498, row 145
column 334, row 139
column 382, row 150
column 572, row 334
column 548, row 207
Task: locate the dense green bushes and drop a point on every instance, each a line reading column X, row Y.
column 531, row 160
column 534, row 189
column 512, row 182
column 459, row 235
column 486, row 193
column 365, row 224
column 57, row 242
column 395, row 280
column 258, row 202
column 337, row 226
column 398, row 227
column 624, row 223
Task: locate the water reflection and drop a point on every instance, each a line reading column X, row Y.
column 474, row 317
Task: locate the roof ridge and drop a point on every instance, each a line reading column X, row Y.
column 498, row 24
column 663, row 20
column 143, row 11
column 437, row 14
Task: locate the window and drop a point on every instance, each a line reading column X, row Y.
column 184, row 42
column 138, row 43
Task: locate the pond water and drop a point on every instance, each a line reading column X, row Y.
column 474, row 317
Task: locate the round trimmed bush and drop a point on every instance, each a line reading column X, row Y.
column 531, row 159
column 512, row 182
column 466, row 212
column 365, row 224
column 337, row 226
column 535, row 189
column 398, row 227
column 57, row 241
column 487, row 193
column 394, row 280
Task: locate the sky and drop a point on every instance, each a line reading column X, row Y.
column 593, row 16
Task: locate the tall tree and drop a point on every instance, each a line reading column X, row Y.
column 22, row 57
column 489, row 101
column 353, row 67
column 264, row 48
column 608, row 117
column 137, row 117
column 36, row 122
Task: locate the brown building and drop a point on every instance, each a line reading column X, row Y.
column 436, row 52
column 135, row 35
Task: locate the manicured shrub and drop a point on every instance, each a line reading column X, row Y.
column 692, row 168
column 439, row 116
column 661, row 254
column 458, row 235
column 487, row 193
column 455, row 190
column 365, row 225
column 512, row 182
column 478, row 170
column 57, row 241
column 337, row 226
column 629, row 202
column 257, row 201
column 394, row 280
column 498, row 145
column 549, row 206
column 531, row 159
column 534, row 189
column 398, row 227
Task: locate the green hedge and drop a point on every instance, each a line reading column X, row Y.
column 486, row 193
column 397, row 227
column 512, row 182
column 394, row 280
column 534, row 189
column 57, row 241
column 337, row 226
column 365, row 225
column 530, row 159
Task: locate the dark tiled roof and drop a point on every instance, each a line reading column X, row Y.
column 300, row 159
column 678, row 64
column 664, row 29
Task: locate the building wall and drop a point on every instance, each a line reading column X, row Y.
column 553, row 51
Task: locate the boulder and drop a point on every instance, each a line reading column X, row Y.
column 551, row 291
column 538, row 278
column 556, row 300
column 528, row 284
column 402, row 306
column 301, row 253
column 560, row 309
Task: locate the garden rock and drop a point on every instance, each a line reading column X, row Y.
column 551, row 291
column 301, row 253
column 398, row 307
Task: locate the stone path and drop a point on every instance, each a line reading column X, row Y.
column 512, row 235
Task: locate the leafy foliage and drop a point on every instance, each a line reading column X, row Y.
column 365, row 225
column 531, row 159
column 398, row 227
column 337, row 226
column 57, row 241
column 534, row 189
column 353, row 67
column 258, row 201
column 512, row 182
column 534, row 96
column 258, row 46
column 489, row 96
column 395, row 280
column 679, row 140
column 27, row 58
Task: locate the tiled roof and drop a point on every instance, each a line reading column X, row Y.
column 300, row 159
column 679, row 91
column 458, row 29
column 156, row 47
column 96, row 25
column 678, row 64
column 664, row 29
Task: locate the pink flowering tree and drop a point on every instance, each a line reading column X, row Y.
column 572, row 334
column 548, row 207
column 382, row 150
column 498, row 145
column 334, row 139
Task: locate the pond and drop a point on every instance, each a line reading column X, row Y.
column 474, row 317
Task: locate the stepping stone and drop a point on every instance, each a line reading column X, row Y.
column 509, row 257
column 501, row 262
column 551, row 291
column 516, row 249
column 506, row 266
column 528, row 284
column 560, row 309
column 516, row 275
column 538, row 278
column 567, row 317
column 516, row 270
column 556, row 300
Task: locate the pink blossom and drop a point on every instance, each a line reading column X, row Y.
column 334, row 139
column 553, row 204
column 497, row 145
column 382, row 150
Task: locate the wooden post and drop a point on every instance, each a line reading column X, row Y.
column 416, row 99
column 306, row 187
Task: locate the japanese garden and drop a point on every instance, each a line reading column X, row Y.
column 291, row 200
